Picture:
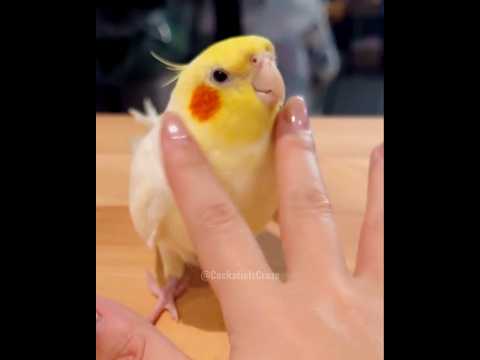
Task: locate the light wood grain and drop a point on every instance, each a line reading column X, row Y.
column 343, row 145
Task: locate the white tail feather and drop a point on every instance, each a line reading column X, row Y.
column 149, row 118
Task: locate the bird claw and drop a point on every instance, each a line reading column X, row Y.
column 165, row 296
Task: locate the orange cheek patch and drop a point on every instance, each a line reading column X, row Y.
column 204, row 103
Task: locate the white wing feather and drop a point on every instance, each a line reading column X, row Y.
column 150, row 196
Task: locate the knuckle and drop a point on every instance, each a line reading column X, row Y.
column 311, row 200
column 217, row 216
column 124, row 342
column 134, row 348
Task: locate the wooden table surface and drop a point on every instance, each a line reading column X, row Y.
column 343, row 145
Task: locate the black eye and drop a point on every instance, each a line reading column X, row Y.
column 220, row 76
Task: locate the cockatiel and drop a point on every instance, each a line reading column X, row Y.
column 228, row 97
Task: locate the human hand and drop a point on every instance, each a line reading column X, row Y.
column 321, row 310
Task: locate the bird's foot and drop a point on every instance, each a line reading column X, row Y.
column 166, row 296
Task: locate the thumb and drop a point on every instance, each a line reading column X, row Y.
column 122, row 334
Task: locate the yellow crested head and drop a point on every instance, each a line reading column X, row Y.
column 230, row 93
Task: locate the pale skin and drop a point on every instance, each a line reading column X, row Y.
column 321, row 311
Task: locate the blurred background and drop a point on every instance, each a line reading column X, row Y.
column 331, row 52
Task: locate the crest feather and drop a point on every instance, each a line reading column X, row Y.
column 170, row 65
column 177, row 68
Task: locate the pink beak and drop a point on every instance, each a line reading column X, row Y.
column 267, row 80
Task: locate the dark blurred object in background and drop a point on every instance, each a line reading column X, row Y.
column 331, row 52
column 307, row 54
column 358, row 26
column 125, row 36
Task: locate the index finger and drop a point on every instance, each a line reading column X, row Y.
column 223, row 240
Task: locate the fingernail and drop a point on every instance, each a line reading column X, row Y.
column 174, row 127
column 297, row 115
